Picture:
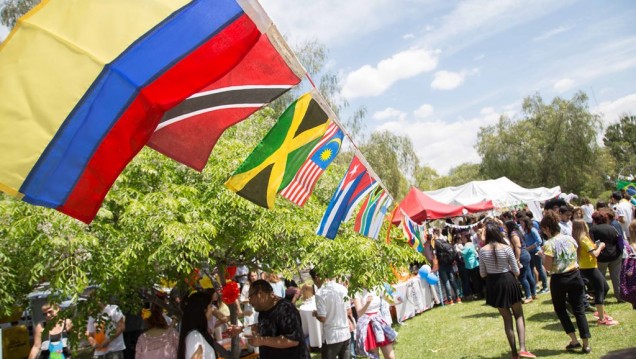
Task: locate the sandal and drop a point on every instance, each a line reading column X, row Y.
column 526, row 354
column 573, row 346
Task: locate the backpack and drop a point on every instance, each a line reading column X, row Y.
column 628, row 277
column 444, row 252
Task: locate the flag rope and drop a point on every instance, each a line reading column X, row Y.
column 332, row 115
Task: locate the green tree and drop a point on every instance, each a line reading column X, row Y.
column 162, row 220
column 553, row 144
column 425, row 178
column 459, row 175
column 394, row 160
column 620, row 140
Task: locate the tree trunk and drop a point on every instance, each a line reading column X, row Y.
column 236, row 349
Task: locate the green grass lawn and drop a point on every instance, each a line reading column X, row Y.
column 475, row 330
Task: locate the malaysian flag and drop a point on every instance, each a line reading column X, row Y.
column 301, row 186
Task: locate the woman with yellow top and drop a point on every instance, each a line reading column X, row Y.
column 587, row 253
column 566, row 284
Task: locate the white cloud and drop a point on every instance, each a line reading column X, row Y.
column 446, row 80
column 389, row 113
column 408, row 36
column 475, row 20
column 563, row 85
column 548, row 34
column 618, row 56
column 330, row 21
column 611, row 111
column 423, row 111
column 372, row 81
column 443, row 145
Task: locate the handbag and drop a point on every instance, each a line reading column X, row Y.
column 628, row 277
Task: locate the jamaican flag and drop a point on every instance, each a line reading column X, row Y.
column 276, row 160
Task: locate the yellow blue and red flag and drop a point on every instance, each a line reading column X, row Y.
column 85, row 83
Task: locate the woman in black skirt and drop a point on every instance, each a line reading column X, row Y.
column 497, row 263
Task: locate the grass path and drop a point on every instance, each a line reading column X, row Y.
column 475, row 330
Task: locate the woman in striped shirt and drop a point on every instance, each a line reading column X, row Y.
column 497, row 263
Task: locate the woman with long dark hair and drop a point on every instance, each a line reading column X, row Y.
column 525, row 277
column 560, row 258
column 194, row 339
column 587, row 253
column 497, row 263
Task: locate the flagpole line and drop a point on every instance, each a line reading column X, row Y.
column 332, row 115
column 258, row 14
column 266, row 25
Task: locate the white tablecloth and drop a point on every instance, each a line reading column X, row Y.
column 415, row 295
column 311, row 325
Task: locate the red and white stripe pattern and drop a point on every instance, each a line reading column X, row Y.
column 300, row 188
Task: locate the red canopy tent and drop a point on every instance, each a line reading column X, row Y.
column 420, row 207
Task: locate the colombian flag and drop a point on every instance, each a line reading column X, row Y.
column 85, row 84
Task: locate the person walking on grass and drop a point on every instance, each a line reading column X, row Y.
column 497, row 263
column 587, row 253
column 566, row 284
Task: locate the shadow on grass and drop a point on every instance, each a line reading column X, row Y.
column 540, row 353
column 556, row 326
column 621, row 354
column 542, row 317
column 488, row 314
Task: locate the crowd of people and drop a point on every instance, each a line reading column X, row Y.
column 513, row 253
column 504, row 260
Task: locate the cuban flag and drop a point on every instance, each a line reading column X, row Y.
column 355, row 182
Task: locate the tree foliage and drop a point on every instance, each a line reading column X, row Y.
column 161, row 220
column 553, row 144
column 620, row 140
column 393, row 158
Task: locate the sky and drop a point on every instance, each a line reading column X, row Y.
column 437, row 71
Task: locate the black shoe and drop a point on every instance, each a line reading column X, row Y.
column 586, row 350
column 573, row 346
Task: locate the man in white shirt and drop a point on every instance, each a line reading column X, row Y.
column 624, row 211
column 566, row 223
column 105, row 333
column 331, row 310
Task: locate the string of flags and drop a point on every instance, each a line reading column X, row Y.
column 469, row 226
column 153, row 84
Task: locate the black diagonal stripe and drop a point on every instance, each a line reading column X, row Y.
column 233, row 97
column 255, row 190
column 315, row 116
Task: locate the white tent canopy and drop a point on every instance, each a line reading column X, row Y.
column 501, row 191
